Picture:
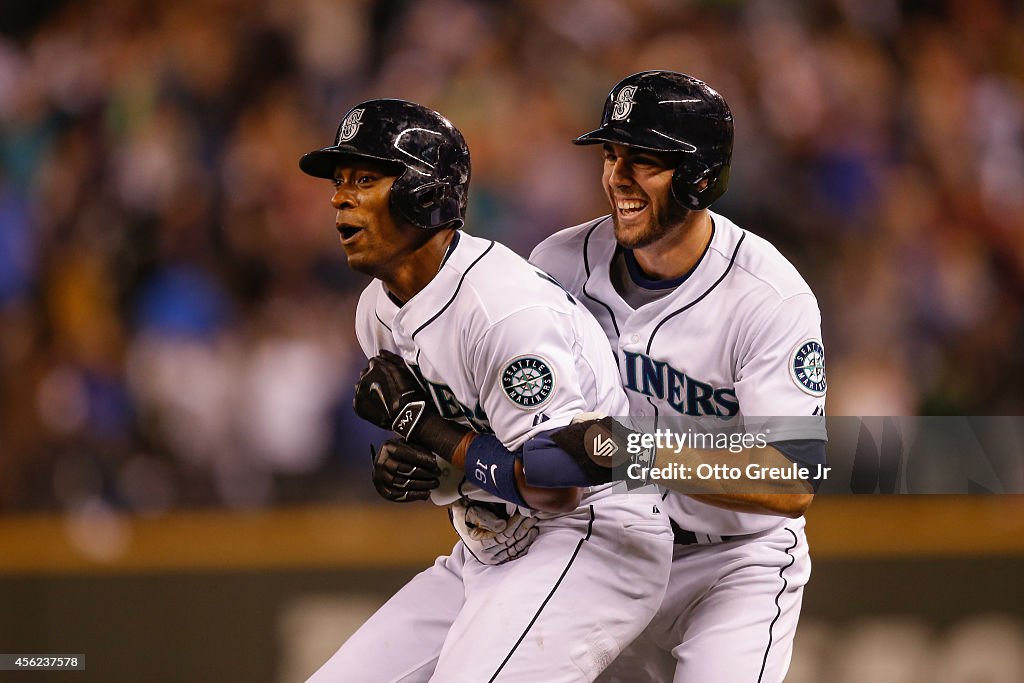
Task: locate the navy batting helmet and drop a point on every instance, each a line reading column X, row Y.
column 666, row 111
column 426, row 150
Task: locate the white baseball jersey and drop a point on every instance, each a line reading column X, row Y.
column 504, row 349
column 501, row 347
column 737, row 337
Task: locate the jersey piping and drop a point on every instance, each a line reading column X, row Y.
column 778, row 608
column 586, row 266
column 579, row 545
column 377, row 315
column 456, row 292
column 693, row 303
column 696, row 301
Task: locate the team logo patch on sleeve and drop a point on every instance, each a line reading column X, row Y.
column 807, row 367
column 528, row 381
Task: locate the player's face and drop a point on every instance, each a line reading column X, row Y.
column 373, row 239
column 639, row 187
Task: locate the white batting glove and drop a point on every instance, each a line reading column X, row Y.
column 492, row 536
column 484, row 521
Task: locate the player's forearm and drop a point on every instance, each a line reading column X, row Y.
column 458, row 458
column 564, row 499
column 773, row 495
column 759, row 479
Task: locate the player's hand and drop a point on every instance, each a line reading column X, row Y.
column 596, row 443
column 490, row 534
column 389, row 396
column 404, row 473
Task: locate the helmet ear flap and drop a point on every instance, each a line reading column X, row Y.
column 427, row 205
column 430, row 196
column 697, row 188
column 686, row 186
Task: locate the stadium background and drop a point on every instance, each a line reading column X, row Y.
column 183, row 486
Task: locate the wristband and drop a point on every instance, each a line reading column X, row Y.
column 492, row 467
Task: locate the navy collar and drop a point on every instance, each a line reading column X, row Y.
column 451, row 248
column 394, row 299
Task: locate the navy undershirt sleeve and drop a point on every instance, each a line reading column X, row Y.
column 807, row 452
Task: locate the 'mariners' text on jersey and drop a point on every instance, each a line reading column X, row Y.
column 688, row 396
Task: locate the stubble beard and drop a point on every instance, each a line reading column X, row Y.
column 658, row 227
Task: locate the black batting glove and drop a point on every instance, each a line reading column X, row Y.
column 390, row 396
column 404, row 473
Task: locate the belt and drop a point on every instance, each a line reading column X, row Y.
column 686, row 537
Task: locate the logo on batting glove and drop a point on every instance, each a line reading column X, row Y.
column 408, row 417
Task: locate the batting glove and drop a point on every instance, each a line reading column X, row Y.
column 490, row 534
column 390, row 396
column 404, row 473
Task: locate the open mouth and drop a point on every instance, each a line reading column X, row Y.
column 347, row 232
column 630, row 207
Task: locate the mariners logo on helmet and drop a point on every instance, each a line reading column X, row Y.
column 528, row 381
column 623, row 103
column 350, row 126
column 808, row 367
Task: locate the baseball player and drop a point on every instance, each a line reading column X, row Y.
column 705, row 318
column 473, row 351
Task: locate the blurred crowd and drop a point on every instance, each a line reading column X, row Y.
column 176, row 313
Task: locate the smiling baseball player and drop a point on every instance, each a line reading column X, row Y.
column 473, row 351
column 706, row 319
